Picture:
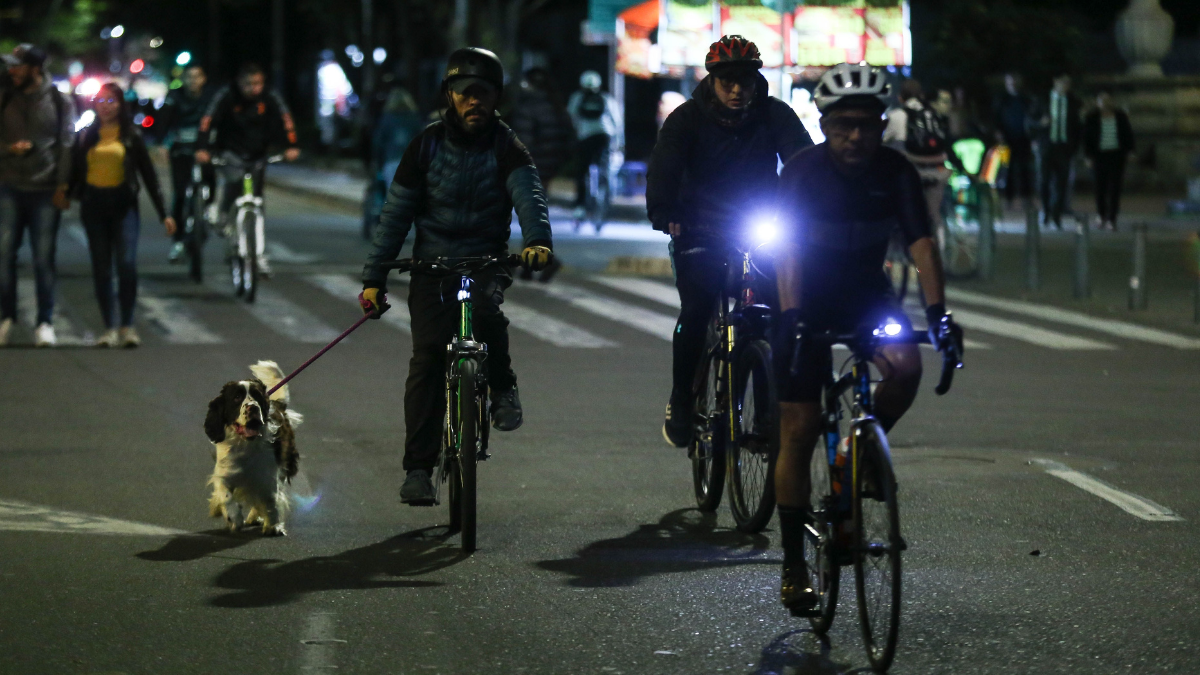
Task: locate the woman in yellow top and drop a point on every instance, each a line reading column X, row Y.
column 108, row 157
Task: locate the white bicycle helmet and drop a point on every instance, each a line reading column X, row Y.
column 845, row 80
column 590, row 80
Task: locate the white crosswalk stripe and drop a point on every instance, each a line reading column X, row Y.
column 288, row 319
column 1118, row 328
column 643, row 288
column 347, row 289
column 174, row 319
column 280, row 252
column 658, row 325
column 1025, row 332
column 65, row 330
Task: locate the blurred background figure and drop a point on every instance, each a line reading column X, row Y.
column 180, row 129
column 542, row 123
column 1014, row 118
column 667, row 103
column 597, row 119
column 1063, row 130
column 1108, row 141
column 398, row 123
column 916, row 129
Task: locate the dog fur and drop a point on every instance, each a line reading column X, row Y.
column 254, row 443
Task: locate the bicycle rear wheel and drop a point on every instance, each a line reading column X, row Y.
column 250, row 262
column 195, row 234
column 752, row 454
column 877, row 544
column 468, row 448
column 708, row 436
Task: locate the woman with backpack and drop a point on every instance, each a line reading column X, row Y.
column 107, row 158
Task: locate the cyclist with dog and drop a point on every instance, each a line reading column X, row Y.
column 457, row 185
column 713, row 171
column 840, row 202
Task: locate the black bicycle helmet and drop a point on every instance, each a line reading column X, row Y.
column 732, row 50
column 477, row 63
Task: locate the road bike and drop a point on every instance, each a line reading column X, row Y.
column 197, row 219
column 853, row 516
column 734, row 400
column 248, row 233
column 467, row 419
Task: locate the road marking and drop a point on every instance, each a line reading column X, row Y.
column 1025, row 332
column 1130, row 503
column 318, row 646
column 64, row 329
column 178, row 324
column 278, row 251
column 549, row 329
column 346, row 288
column 18, row 516
column 658, row 325
column 287, row 318
column 1118, row 328
column 643, row 288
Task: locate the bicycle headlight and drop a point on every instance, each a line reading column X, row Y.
column 890, row 328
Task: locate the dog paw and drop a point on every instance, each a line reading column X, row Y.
column 232, row 525
column 274, row 530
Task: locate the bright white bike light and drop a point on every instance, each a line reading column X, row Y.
column 766, row 232
column 891, row 328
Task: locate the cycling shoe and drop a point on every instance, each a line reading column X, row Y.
column 796, row 595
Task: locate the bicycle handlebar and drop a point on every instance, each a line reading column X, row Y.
column 951, row 357
column 227, row 160
column 451, row 264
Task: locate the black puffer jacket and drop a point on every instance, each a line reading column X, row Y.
column 709, row 170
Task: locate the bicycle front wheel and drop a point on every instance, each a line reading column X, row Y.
column 468, row 448
column 752, row 455
column 824, row 570
column 195, row 234
column 250, row 262
column 877, row 544
column 708, row 436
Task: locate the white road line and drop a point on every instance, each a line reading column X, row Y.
column 18, row 516
column 1130, row 503
column 287, row 318
column 643, row 288
column 318, row 646
column 64, row 329
column 547, row 328
column 1121, row 329
column 347, row 289
column 177, row 322
column 277, row 251
column 1024, row 332
column 658, row 325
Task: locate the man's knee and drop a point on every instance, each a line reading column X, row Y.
column 901, row 365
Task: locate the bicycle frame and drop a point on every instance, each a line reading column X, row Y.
column 461, row 348
column 248, row 204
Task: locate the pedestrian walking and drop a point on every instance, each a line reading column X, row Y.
column 1108, row 140
column 1063, row 134
column 36, row 129
column 1014, row 118
column 108, row 157
column 541, row 122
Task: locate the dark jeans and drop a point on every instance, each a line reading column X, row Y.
column 1020, row 170
column 31, row 210
column 435, row 314
column 1110, row 174
column 1056, row 180
column 592, row 150
column 110, row 217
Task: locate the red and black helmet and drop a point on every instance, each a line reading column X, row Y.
column 732, row 50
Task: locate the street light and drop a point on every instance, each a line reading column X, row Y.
column 379, row 55
column 183, row 59
column 117, row 31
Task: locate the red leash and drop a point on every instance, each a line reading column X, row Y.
column 318, row 355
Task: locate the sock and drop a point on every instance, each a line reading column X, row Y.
column 791, row 531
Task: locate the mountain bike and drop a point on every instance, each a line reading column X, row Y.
column 734, row 401
column 853, row 516
column 467, row 419
column 196, row 221
column 248, row 234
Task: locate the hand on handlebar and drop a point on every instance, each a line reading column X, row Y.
column 536, row 258
column 373, row 302
column 291, row 154
column 203, row 156
column 944, row 334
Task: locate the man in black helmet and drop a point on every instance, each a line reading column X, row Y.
column 713, row 173
column 458, row 183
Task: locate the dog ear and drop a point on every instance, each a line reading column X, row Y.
column 214, row 422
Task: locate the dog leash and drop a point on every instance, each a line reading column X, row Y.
column 318, row 355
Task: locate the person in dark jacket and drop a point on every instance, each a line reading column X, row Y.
column 1063, row 125
column 542, row 123
column 1015, row 120
column 712, row 173
column 108, row 157
column 1108, row 141
column 458, row 183
column 179, row 121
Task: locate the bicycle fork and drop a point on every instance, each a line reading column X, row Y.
column 250, row 203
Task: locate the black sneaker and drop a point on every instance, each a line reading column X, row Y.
column 417, row 489
column 506, row 410
column 795, row 593
column 677, row 427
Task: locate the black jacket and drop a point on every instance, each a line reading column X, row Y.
column 1074, row 121
column 1091, row 133
column 179, row 120
column 137, row 161
column 248, row 129
column 711, row 171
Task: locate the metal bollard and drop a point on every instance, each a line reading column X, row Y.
column 1137, row 282
column 1033, row 244
column 987, row 232
column 1083, row 244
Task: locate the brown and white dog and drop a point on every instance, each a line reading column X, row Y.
column 255, row 448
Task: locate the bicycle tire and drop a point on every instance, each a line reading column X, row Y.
column 707, row 449
column 751, row 470
column 195, row 233
column 468, row 448
column 250, row 262
column 824, row 570
column 877, row 544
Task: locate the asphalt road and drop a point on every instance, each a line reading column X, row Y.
column 591, row 559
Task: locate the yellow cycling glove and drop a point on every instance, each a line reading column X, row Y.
column 373, row 302
column 536, row 258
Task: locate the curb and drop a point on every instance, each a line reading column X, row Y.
column 640, row 266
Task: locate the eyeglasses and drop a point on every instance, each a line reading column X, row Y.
column 106, row 100
column 844, row 126
column 746, row 80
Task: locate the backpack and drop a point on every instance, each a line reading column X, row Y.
column 592, row 106
column 926, row 132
